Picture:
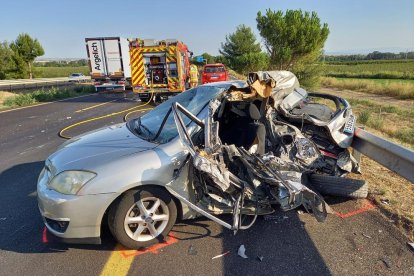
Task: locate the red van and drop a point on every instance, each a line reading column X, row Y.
column 214, row 72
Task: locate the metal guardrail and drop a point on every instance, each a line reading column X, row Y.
column 392, row 156
column 21, row 84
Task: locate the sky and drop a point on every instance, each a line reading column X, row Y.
column 356, row 26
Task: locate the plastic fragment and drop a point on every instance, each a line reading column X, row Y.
column 260, row 258
column 387, row 262
column 3, row 218
column 385, row 201
column 191, row 250
column 67, row 118
column 242, row 252
column 221, row 255
column 366, row 236
column 411, row 245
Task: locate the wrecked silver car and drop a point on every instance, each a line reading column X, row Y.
column 238, row 148
column 259, row 148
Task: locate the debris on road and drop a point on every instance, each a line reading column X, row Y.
column 191, row 250
column 411, row 245
column 366, row 236
column 67, row 118
column 221, row 255
column 387, row 262
column 385, row 201
column 260, row 258
column 242, row 252
column 3, row 218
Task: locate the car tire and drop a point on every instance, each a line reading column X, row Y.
column 136, row 228
column 144, row 100
column 339, row 186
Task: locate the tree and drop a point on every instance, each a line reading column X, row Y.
column 242, row 52
column 6, row 60
column 294, row 41
column 27, row 49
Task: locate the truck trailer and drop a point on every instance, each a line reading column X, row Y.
column 159, row 68
column 109, row 62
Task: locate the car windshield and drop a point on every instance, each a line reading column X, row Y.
column 76, row 75
column 193, row 100
column 214, row 69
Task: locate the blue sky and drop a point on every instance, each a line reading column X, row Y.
column 61, row 26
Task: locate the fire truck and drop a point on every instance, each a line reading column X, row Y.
column 159, row 68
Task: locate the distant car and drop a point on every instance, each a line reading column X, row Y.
column 76, row 77
column 214, row 73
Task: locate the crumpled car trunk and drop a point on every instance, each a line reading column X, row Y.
column 257, row 147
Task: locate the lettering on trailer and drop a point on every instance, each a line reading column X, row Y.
column 96, row 56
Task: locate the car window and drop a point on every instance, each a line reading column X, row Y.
column 194, row 100
column 214, row 69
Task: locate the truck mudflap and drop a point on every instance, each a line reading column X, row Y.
column 230, row 179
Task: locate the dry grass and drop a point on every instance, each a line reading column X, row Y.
column 3, row 96
column 393, row 121
column 398, row 90
column 392, row 193
column 236, row 75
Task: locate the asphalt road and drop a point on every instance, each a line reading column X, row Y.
column 356, row 241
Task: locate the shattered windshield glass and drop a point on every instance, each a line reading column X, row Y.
column 194, row 100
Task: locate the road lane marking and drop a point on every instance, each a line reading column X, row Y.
column 39, row 104
column 117, row 264
column 94, row 106
column 121, row 258
column 367, row 206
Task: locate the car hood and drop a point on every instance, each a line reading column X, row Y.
column 97, row 147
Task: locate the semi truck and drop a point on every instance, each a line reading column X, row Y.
column 109, row 62
column 159, row 68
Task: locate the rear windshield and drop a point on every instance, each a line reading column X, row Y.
column 214, row 69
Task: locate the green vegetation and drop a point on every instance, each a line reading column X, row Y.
column 27, row 49
column 72, row 63
column 396, row 122
column 16, row 58
column 46, row 95
column 54, row 72
column 243, row 52
column 294, row 41
column 379, row 69
column 374, row 56
column 395, row 89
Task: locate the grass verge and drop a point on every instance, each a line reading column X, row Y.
column 397, row 90
column 55, row 72
column 46, row 95
column 393, row 194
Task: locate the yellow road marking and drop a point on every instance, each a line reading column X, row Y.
column 91, row 107
column 117, row 264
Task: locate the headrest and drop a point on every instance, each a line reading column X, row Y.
column 254, row 112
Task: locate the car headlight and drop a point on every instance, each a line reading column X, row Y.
column 70, row 182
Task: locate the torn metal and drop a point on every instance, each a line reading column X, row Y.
column 257, row 146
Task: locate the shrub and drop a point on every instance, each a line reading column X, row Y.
column 364, row 116
column 46, row 95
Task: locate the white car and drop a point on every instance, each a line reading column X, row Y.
column 76, row 77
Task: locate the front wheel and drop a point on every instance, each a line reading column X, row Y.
column 142, row 217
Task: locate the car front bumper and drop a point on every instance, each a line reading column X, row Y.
column 72, row 216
